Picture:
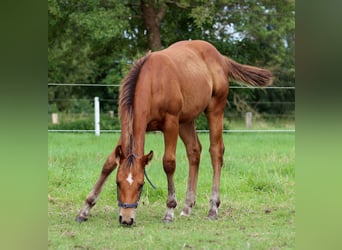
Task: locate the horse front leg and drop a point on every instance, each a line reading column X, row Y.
column 107, row 169
column 171, row 128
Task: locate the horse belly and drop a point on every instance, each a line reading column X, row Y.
column 196, row 98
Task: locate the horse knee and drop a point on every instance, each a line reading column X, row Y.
column 108, row 166
column 169, row 165
column 195, row 161
column 194, row 155
column 216, row 153
column 106, row 170
column 91, row 200
column 217, row 149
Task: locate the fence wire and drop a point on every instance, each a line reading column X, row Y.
column 200, row 130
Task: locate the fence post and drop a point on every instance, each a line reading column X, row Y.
column 54, row 117
column 97, row 115
column 248, row 120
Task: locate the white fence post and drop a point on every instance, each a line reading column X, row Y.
column 248, row 119
column 97, row 115
column 54, row 117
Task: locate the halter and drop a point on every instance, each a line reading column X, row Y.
column 129, row 205
column 135, row 204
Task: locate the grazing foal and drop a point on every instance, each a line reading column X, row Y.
column 166, row 90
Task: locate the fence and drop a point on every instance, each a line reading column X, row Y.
column 96, row 109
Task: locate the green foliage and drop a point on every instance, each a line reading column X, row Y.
column 201, row 123
column 81, row 106
column 80, row 124
column 85, row 43
column 203, row 14
column 82, row 121
column 97, row 41
column 52, row 108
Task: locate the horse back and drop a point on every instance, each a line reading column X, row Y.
column 183, row 78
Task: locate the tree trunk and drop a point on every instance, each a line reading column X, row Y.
column 152, row 17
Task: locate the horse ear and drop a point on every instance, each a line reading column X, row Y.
column 148, row 157
column 118, row 154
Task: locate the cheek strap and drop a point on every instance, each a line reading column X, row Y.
column 135, row 204
column 129, row 205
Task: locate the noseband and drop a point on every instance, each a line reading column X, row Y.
column 129, row 205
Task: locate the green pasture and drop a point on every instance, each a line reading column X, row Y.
column 257, row 196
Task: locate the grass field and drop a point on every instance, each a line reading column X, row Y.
column 257, row 196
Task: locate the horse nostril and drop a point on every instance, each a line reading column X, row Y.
column 127, row 223
column 131, row 222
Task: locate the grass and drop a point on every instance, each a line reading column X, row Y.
column 263, row 123
column 257, row 196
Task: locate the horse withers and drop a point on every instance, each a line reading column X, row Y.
column 165, row 91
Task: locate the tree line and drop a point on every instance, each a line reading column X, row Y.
column 96, row 42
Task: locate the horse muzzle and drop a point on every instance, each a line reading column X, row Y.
column 127, row 216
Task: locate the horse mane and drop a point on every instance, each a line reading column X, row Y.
column 126, row 105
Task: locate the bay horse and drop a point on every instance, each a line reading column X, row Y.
column 165, row 91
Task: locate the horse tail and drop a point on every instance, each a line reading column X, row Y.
column 249, row 75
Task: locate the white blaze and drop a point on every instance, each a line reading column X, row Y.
column 129, row 179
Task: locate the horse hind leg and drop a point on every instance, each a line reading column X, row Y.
column 91, row 199
column 193, row 146
column 215, row 120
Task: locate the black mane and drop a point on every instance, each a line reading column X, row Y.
column 126, row 101
column 128, row 85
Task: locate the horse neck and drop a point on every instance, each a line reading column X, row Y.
column 133, row 136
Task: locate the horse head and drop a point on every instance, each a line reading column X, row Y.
column 130, row 182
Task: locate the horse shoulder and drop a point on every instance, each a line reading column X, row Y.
column 159, row 83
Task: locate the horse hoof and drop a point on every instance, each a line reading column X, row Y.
column 81, row 219
column 212, row 215
column 186, row 212
column 167, row 219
